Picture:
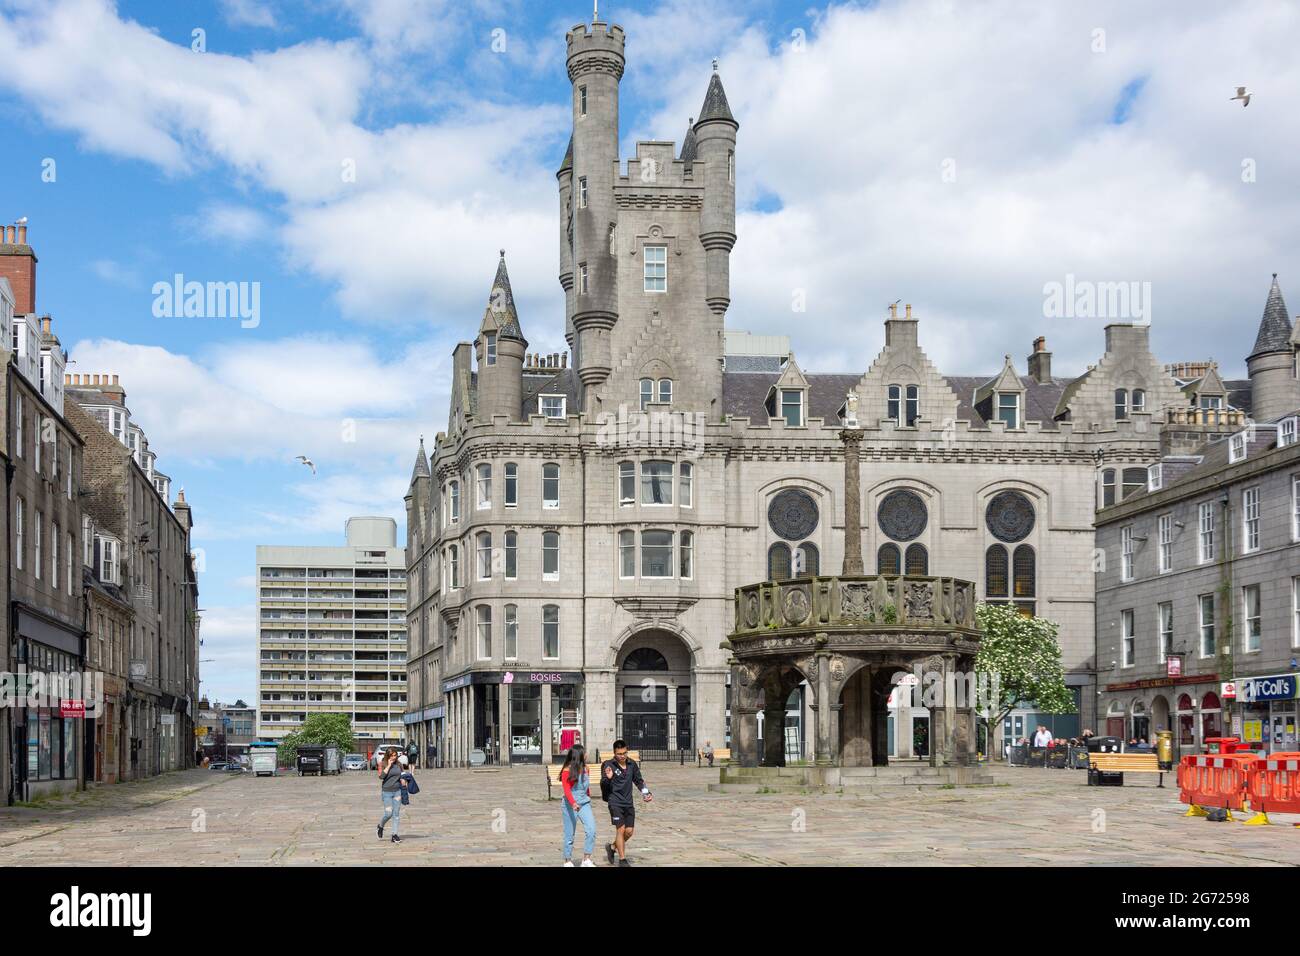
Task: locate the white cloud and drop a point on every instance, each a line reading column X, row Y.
column 248, row 13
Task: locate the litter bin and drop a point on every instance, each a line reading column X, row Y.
column 332, row 761
column 311, row 759
column 1104, row 778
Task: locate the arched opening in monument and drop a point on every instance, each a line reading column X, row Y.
column 654, row 706
column 864, row 718
column 781, row 731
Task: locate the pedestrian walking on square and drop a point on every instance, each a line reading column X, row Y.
column 618, row 776
column 576, row 782
column 390, row 788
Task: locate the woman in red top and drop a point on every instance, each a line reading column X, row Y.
column 577, row 804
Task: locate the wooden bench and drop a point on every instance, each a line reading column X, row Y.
column 593, row 771
column 1125, row 763
column 719, row 755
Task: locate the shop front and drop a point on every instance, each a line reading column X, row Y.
column 1266, row 712
column 55, row 703
column 1189, row 705
column 512, row 717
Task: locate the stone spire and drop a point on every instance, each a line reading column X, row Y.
column 421, row 463
column 1275, row 327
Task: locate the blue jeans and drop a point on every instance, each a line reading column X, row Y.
column 392, row 808
column 571, row 818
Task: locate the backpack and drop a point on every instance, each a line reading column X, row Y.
column 604, row 784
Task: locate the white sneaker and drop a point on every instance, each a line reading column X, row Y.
column 588, row 863
column 568, row 863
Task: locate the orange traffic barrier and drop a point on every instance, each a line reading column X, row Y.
column 1213, row 780
column 1273, row 783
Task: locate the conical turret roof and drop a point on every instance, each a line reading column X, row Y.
column 1275, row 327
column 567, row 162
column 500, row 315
column 715, row 103
column 689, row 143
column 421, row 469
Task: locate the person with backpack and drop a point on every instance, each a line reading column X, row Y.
column 576, row 782
column 617, row 777
column 409, row 787
column 391, row 785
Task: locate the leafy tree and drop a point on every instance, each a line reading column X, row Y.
column 324, row 729
column 1021, row 658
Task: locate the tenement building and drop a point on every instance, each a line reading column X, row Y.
column 138, row 570
column 577, row 534
column 1198, row 598
column 45, row 626
column 332, row 633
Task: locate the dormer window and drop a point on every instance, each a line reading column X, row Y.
column 1236, row 448
column 552, row 406
column 1212, row 401
column 1153, row 477
column 1287, row 430
column 490, row 348
column 792, row 406
column 1009, row 408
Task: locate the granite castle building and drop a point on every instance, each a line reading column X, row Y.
column 576, row 536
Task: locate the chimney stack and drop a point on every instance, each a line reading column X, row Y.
column 18, row 265
column 1040, row 362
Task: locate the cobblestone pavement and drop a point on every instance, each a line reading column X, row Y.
column 501, row 817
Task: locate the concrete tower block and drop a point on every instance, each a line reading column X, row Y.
column 595, row 66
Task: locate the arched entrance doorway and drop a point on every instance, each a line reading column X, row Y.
column 1159, row 715
column 864, row 718
column 654, row 706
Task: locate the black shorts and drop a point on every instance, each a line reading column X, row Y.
column 622, row 816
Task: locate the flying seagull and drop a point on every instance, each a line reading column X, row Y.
column 1244, row 95
column 308, row 462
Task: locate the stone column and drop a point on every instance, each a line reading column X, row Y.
column 744, row 717
column 774, row 733
column 852, row 438
column 546, row 724
column 825, row 755
column 502, row 736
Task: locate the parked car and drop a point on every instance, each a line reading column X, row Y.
column 236, row 768
column 354, row 762
column 217, row 765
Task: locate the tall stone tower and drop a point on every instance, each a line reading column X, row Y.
column 1275, row 389
column 595, row 66
column 500, row 349
column 715, row 144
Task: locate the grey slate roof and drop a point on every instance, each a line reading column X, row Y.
column 507, row 318
column 1275, row 326
column 558, row 381
column 567, row 162
column 715, row 103
column 421, row 463
column 1239, row 393
column 689, row 144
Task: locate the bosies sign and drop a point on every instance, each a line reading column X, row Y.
column 512, row 677
column 1281, row 687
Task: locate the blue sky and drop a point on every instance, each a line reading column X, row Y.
column 1111, row 156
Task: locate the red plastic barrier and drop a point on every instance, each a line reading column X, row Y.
column 1273, row 783
column 1214, row 780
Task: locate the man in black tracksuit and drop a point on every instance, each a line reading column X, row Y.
column 617, row 778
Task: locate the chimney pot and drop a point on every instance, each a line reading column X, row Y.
column 114, row 379
column 22, row 234
column 9, row 234
column 909, row 311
